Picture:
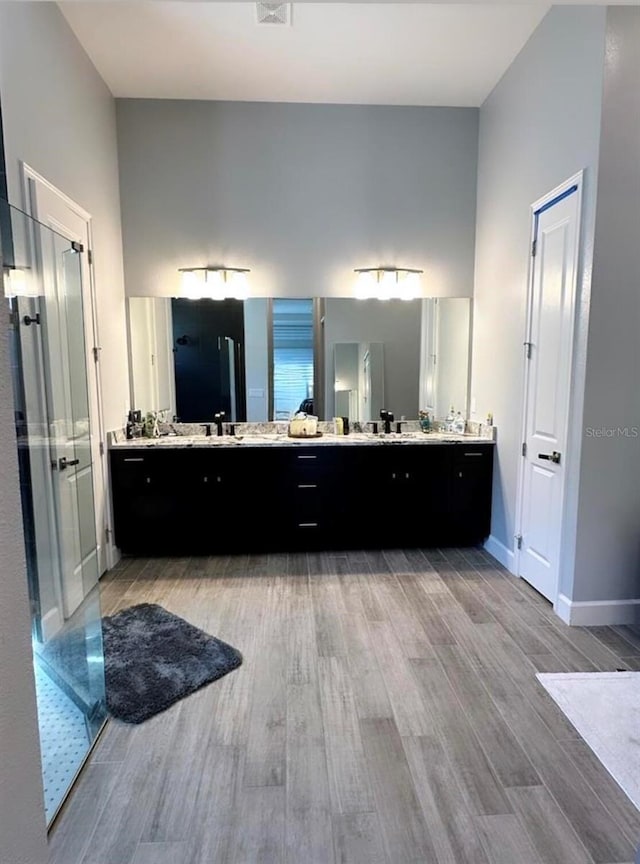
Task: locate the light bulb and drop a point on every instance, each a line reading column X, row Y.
column 239, row 286
column 410, row 286
column 365, row 285
column 388, row 285
column 193, row 284
column 216, row 288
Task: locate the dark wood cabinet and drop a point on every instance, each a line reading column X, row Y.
column 218, row 499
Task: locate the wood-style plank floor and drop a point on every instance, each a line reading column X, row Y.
column 387, row 712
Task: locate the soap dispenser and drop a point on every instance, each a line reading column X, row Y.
column 459, row 424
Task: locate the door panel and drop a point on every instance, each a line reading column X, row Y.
column 550, row 337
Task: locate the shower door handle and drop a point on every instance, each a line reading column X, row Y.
column 63, row 463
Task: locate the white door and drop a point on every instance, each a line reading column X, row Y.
column 549, row 349
column 52, row 209
column 68, row 408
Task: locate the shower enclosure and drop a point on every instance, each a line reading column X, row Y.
column 42, row 280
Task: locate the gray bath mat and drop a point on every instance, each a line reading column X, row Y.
column 154, row 658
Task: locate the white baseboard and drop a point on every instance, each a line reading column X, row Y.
column 504, row 555
column 112, row 555
column 597, row 613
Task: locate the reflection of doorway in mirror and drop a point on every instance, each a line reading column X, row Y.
column 444, row 355
column 371, row 364
column 150, row 355
column 358, row 380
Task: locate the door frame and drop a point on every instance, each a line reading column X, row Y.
column 554, row 196
column 102, row 496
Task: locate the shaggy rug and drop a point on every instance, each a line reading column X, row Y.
column 605, row 709
column 154, row 658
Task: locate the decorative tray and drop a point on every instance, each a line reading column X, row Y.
column 317, row 435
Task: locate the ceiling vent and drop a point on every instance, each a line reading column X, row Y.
column 273, row 13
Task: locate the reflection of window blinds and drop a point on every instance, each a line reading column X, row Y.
column 292, row 355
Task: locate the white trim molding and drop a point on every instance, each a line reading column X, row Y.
column 502, row 553
column 597, row 613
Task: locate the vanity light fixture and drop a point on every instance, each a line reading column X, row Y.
column 387, row 283
column 215, row 283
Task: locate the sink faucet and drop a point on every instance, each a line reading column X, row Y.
column 207, row 429
column 387, row 417
column 219, row 419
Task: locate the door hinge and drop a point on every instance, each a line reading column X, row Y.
column 534, row 248
column 519, row 541
column 76, row 246
column 107, row 533
column 101, row 446
column 90, row 256
column 524, row 448
column 96, row 353
column 527, row 349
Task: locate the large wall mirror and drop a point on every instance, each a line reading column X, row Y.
column 263, row 359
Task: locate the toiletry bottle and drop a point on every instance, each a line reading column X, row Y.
column 449, row 420
column 459, row 424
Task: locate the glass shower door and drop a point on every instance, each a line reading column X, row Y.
column 43, row 281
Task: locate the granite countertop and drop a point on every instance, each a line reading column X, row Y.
column 282, row 440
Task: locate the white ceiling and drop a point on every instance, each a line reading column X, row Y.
column 353, row 53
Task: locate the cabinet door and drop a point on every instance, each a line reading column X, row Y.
column 402, row 494
column 421, row 480
column 470, row 482
column 226, row 491
column 146, row 508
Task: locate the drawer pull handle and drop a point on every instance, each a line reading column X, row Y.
column 307, row 524
column 307, row 485
column 136, row 459
column 307, row 457
column 474, row 454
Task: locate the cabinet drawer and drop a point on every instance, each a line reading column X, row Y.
column 476, row 453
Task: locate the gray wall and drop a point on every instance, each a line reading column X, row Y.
column 540, row 125
column 59, row 117
column 394, row 323
column 608, row 547
column 301, row 194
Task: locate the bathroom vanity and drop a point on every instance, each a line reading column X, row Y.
column 206, row 495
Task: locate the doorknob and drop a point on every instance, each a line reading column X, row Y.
column 64, row 463
column 550, row 457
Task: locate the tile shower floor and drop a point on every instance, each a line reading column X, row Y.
column 63, row 740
